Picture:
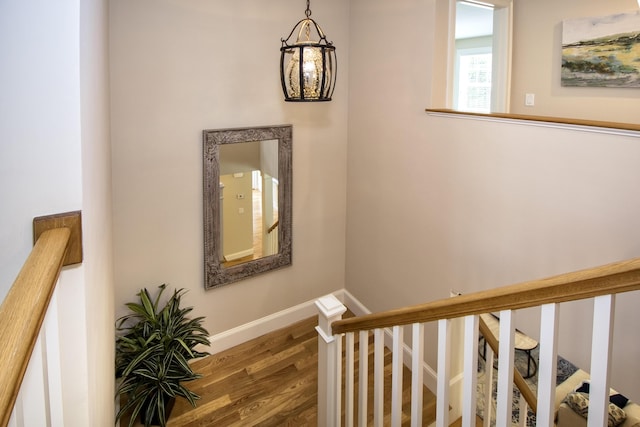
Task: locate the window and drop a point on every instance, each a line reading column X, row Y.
column 479, row 57
column 473, row 80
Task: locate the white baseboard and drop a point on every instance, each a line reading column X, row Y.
column 248, row 331
column 273, row 322
column 352, row 302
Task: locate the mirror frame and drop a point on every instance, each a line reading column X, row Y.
column 215, row 274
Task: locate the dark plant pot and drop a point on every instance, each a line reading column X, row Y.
column 155, row 420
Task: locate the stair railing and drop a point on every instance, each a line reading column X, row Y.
column 529, row 398
column 29, row 334
column 601, row 283
column 271, row 239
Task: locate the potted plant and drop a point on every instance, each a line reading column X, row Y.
column 153, row 349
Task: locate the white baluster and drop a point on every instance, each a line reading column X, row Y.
column 349, row 379
column 42, row 384
column 337, row 403
column 378, row 377
column 33, row 389
column 505, row 368
column 488, row 385
column 17, row 415
column 548, row 363
column 470, row 370
column 396, row 376
column 603, row 310
column 329, row 354
column 417, row 373
column 53, row 363
column 444, row 372
column 363, row 382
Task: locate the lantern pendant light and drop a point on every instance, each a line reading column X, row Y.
column 308, row 66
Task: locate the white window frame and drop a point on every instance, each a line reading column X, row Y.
column 501, row 51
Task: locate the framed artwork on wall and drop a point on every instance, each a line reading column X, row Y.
column 602, row 51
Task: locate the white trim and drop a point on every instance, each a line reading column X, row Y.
column 238, row 255
column 328, row 339
column 256, row 328
column 243, row 333
column 330, row 306
column 525, row 122
column 351, row 302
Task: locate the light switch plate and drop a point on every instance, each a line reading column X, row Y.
column 530, row 99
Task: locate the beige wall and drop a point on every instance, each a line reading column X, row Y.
column 434, row 204
column 237, row 228
column 178, row 68
column 537, row 54
column 439, row 204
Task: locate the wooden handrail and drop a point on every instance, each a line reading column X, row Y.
column 273, row 227
column 608, row 279
column 519, row 381
column 23, row 311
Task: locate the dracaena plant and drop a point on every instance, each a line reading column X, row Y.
column 153, row 347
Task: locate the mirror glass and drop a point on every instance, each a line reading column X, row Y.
column 247, row 202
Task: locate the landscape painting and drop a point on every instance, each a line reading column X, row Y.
column 602, row 52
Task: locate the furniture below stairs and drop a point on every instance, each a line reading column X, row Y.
column 568, row 417
column 522, row 342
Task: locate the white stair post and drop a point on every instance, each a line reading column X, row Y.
column 548, row 365
column 506, row 358
column 601, row 349
column 329, row 358
column 470, row 370
column 444, row 372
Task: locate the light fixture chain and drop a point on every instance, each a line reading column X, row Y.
column 308, row 11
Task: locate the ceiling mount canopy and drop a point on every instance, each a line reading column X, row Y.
column 308, row 66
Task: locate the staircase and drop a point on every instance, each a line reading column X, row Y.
column 353, row 390
column 459, row 397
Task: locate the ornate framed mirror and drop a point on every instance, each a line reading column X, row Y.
column 247, row 178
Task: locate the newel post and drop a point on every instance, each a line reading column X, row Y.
column 329, row 361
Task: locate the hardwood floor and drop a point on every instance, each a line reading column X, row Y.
column 272, row 381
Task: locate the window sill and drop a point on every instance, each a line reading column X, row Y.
column 557, row 122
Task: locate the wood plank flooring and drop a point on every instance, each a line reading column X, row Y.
column 272, row 381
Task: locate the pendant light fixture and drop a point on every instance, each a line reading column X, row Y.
column 308, row 66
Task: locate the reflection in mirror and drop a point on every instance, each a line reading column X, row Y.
column 247, row 202
column 481, row 60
